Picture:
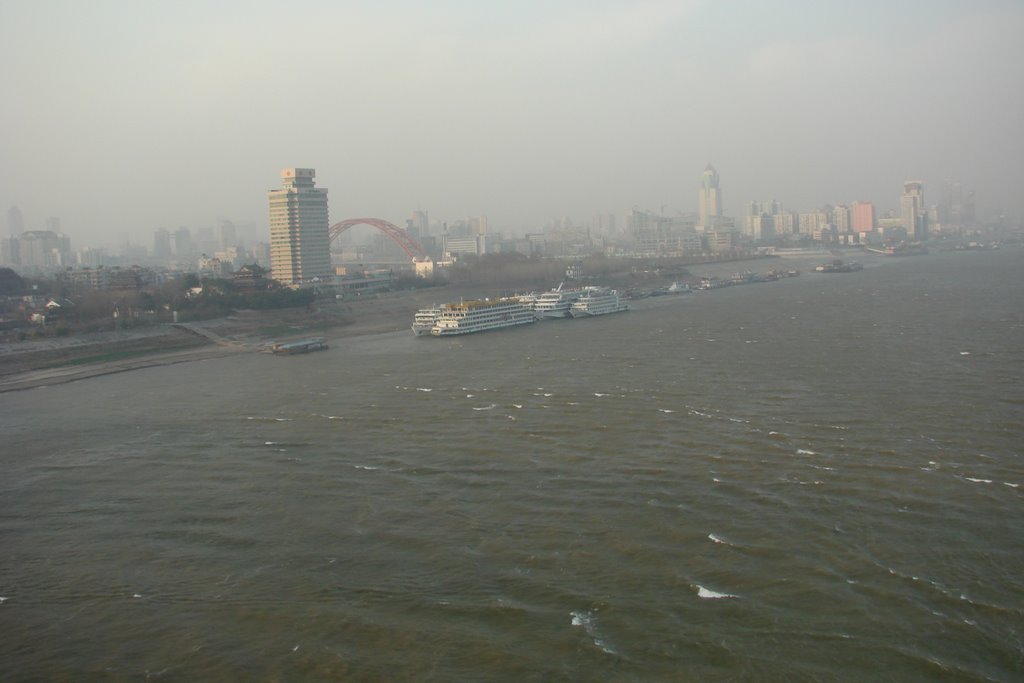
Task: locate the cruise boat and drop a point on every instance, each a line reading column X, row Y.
column 424, row 320
column 466, row 317
column 556, row 303
column 678, row 288
column 597, row 301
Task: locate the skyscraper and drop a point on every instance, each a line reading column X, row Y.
column 299, row 239
column 228, row 235
column 710, row 198
column 162, row 245
column 15, row 221
column 183, row 248
column 913, row 211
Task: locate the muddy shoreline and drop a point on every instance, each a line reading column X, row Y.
column 38, row 363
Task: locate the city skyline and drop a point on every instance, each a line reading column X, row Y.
column 521, row 113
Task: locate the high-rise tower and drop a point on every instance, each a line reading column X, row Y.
column 913, row 211
column 300, row 246
column 15, row 221
column 710, row 198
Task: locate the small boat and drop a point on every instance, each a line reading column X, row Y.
column 301, row 346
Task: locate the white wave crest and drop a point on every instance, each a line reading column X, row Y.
column 709, row 594
column 719, row 539
column 586, row 621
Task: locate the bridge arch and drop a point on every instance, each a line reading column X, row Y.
column 401, row 237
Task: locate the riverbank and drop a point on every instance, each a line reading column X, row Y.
column 37, row 363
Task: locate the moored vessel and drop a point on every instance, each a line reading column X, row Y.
column 598, row 301
column 556, row 303
column 467, row 317
column 424, row 320
column 301, row 346
column 838, row 266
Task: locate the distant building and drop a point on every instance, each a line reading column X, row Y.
column 419, row 225
column 299, row 229
column 785, row 223
column 710, row 199
column 228, row 235
column 761, row 227
column 718, row 241
column 454, row 246
column 841, row 219
column 183, row 248
column 477, row 225
column 15, row 222
column 604, row 223
column 813, row 224
column 913, row 212
column 766, row 221
column 162, row 245
column 41, row 250
column 863, row 217
column 10, row 251
column 251, row 278
column 657, row 235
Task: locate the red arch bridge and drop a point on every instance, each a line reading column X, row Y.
column 401, row 237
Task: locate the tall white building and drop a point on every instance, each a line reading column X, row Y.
column 300, row 249
column 710, row 198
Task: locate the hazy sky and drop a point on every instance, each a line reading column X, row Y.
column 122, row 117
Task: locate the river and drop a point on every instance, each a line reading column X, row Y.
column 812, row 479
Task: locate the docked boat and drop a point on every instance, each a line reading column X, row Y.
column 556, row 303
column 423, row 321
column 301, row 346
column 708, row 282
column 598, row 301
column 838, row 266
column 467, row 317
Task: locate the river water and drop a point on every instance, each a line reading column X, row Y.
column 813, row 479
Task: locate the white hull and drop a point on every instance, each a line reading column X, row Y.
column 424, row 320
column 553, row 315
column 556, row 303
column 598, row 301
column 481, row 316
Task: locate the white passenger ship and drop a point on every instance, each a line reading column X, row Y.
column 466, row 317
column 556, row 303
column 598, row 301
column 423, row 321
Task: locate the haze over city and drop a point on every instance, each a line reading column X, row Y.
column 121, row 119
